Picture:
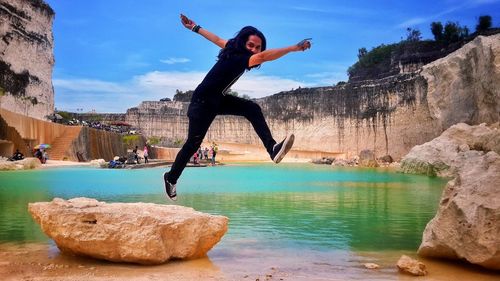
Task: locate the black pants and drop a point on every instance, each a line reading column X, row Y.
column 201, row 114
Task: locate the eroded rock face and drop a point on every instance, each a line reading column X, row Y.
column 467, row 224
column 465, row 85
column 446, row 154
column 26, row 57
column 142, row 233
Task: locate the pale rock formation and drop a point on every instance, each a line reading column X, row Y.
column 142, row 233
column 25, row 164
column 26, row 57
column 411, row 266
column 465, row 85
column 99, row 163
column 467, row 224
column 444, row 155
column 371, row 265
column 367, row 158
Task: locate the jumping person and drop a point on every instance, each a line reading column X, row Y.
column 245, row 51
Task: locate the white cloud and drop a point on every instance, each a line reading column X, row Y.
column 175, row 60
column 327, row 78
column 105, row 96
column 89, row 85
column 412, row 22
column 257, row 85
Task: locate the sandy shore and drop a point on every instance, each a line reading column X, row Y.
column 44, row 262
column 60, row 163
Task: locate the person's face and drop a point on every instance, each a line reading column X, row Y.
column 254, row 44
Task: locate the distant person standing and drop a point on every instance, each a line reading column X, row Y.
column 247, row 50
column 200, row 153
column 205, row 152
column 136, row 155
column 145, row 153
column 215, row 149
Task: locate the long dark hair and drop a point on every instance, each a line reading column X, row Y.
column 237, row 45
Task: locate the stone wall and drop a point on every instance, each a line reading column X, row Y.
column 97, row 144
column 26, row 57
column 32, row 131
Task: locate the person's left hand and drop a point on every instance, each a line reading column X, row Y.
column 304, row 44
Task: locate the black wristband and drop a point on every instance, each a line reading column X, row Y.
column 196, row 28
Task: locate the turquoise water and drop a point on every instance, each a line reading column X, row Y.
column 287, row 207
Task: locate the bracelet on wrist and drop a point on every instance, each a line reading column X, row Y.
column 196, row 28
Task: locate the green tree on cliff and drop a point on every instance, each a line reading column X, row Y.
column 362, row 52
column 413, row 35
column 453, row 32
column 484, row 23
column 437, row 30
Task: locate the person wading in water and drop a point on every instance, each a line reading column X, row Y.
column 245, row 51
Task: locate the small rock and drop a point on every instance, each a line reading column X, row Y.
column 414, row 267
column 371, row 265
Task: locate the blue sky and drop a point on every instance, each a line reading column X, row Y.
column 112, row 54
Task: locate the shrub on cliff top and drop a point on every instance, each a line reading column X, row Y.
column 129, row 140
column 484, row 23
column 372, row 59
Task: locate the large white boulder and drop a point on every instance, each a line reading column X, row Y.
column 25, row 164
column 142, row 233
column 467, row 224
column 446, row 154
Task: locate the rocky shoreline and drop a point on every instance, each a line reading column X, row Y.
column 467, row 224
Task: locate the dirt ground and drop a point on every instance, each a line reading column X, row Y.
column 37, row 262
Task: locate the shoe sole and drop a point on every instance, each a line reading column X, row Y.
column 165, row 185
column 287, row 145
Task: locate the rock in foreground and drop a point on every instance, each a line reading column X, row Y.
column 467, row 224
column 143, row 233
column 410, row 266
column 25, row 164
column 445, row 155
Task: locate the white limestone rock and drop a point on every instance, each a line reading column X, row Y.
column 411, row 266
column 467, row 224
column 27, row 57
column 465, row 85
column 25, row 164
column 143, row 233
column 99, row 163
column 446, row 154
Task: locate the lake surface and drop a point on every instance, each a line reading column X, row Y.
column 305, row 216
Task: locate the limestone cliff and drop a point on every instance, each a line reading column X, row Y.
column 26, row 57
column 389, row 115
column 465, row 86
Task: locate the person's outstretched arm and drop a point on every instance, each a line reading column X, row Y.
column 273, row 54
column 191, row 25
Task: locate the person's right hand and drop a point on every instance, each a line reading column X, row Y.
column 189, row 24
